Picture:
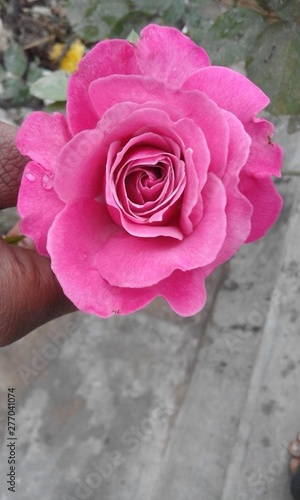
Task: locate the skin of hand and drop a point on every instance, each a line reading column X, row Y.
column 30, row 294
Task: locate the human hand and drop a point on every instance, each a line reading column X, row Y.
column 30, row 293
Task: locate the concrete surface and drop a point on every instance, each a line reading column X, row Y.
column 152, row 406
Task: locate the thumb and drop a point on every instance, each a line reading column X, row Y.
column 30, row 293
column 12, row 164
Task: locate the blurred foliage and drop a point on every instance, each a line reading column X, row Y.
column 15, row 90
column 274, row 65
column 264, row 34
column 232, row 36
column 51, row 87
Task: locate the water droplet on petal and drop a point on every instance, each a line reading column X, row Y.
column 47, row 182
column 30, row 177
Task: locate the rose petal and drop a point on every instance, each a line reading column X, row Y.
column 73, row 247
column 128, row 261
column 110, row 57
column 81, row 166
column 146, row 123
column 239, row 148
column 238, row 209
column 238, row 213
column 197, row 163
column 230, row 90
column 170, row 66
column 265, row 156
column 119, row 196
column 35, row 222
column 266, row 202
column 156, row 198
column 184, row 291
column 42, row 136
column 106, row 92
column 193, row 105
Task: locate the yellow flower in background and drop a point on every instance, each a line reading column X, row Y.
column 71, row 59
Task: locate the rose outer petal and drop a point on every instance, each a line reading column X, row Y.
column 238, row 208
column 36, row 221
column 73, row 248
column 265, row 156
column 230, row 90
column 42, row 136
column 127, row 261
column 110, row 57
column 239, row 148
column 167, row 55
column 184, row 291
column 266, row 202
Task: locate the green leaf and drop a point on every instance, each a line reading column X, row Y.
column 89, row 11
column 34, row 72
column 11, row 88
column 155, row 6
column 15, row 91
column 2, row 72
column 13, row 240
column 232, row 36
column 197, row 33
column 93, row 22
column 276, row 5
column 174, row 13
column 196, row 19
column 52, row 87
column 15, row 60
column 56, row 106
column 135, row 20
column 287, row 10
column 274, row 66
column 263, row 4
column 133, row 37
column 90, row 33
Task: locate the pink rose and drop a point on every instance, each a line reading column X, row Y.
column 158, row 174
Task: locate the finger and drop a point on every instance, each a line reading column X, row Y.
column 12, row 164
column 30, row 293
column 294, row 449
